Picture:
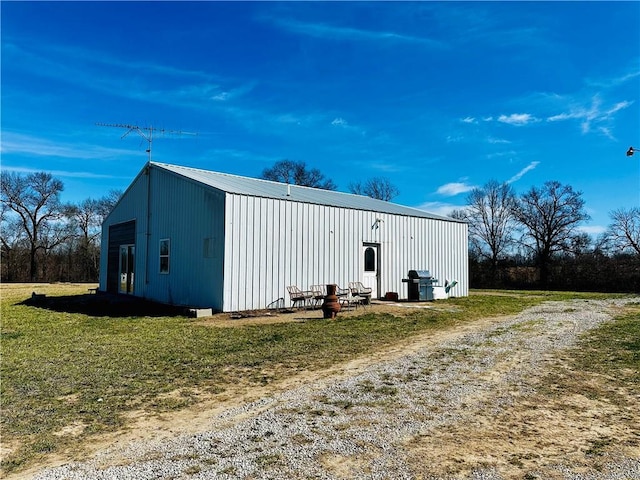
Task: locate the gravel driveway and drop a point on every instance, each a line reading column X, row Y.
column 431, row 411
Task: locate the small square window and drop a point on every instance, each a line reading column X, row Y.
column 165, row 251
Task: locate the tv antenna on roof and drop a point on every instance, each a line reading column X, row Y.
column 145, row 132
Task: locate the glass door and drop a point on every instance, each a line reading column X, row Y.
column 127, row 267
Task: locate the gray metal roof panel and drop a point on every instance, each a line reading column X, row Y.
column 269, row 189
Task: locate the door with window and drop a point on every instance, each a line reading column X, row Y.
column 127, row 267
column 370, row 273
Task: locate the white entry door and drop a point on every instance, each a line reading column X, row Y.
column 370, row 273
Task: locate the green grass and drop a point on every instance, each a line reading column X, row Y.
column 611, row 351
column 60, row 369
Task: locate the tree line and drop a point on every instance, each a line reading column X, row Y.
column 534, row 241
column 43, row 239
column 528, row 241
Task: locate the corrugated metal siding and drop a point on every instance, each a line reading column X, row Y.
column 132, row 206
column 271, row 244
column 191, row 216
column 237, row 252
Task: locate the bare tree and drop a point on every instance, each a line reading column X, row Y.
column 549, row 217
column 490, row 214
column 35, row 200
column 289, row 171
column 379, row 188
column 624, row 232
column 106, row 203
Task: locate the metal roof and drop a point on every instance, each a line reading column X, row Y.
column 269, row 189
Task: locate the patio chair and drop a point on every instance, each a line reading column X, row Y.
column 341, row 292
column 298, row 296
column 349, row 298
column 357, row 288
column 319, row 292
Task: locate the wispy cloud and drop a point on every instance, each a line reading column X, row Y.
column 523, row 172
column 343, row 124
column 469, row 120
column 62, row 173
column 497, row 141
column 518, row 119
column 20, row 144
column 94, row 70
column 323, row 30
column 616, row 81
column 594, row 114
column 439, row 208
column 454, row 188
column 454, row 138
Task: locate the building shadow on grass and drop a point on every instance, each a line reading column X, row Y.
column 105, row 305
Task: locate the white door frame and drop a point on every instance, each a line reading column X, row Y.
column 371, row 267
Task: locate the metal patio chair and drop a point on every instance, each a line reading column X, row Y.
column 299, row 296
column 319, row 292
column 348, row 298
column 357, row 288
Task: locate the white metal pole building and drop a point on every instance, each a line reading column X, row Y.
column 205, row 239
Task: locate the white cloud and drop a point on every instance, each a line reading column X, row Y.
column 233, row 93
column 616, row 107
column 439, row 208
column 593, row 114
column 60, row 173
column 320, row 30
column 517, row 119
column 606, row 131
column 469, row 120
column 522, row 172
column 339, row 122
column 16, row 143
column 454, row 188
column 497, row 141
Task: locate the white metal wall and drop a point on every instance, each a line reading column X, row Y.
column 236, row 252
column 272, row 243
column 191, row 216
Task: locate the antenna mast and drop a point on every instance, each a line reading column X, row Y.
column 145, row 132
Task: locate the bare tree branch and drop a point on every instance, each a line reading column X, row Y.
column 288, row 171
column 624, row 231
column 550, row 217
column 379, row 188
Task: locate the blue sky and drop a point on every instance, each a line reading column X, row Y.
column 438, row 97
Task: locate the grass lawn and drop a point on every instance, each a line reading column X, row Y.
column 61, row 369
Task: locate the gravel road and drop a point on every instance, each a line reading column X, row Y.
column 384, row 420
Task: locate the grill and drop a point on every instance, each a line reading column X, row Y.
column 420, row 284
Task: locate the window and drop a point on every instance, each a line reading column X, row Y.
column 164, row 255
column 369, row 260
